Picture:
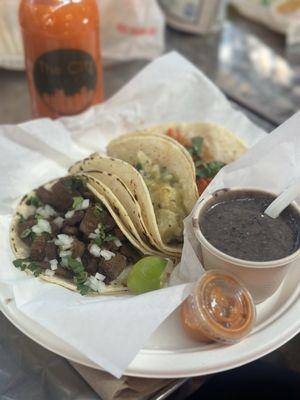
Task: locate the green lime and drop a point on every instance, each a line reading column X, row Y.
column 147, row 274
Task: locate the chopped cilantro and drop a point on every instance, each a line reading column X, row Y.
column 97, row 210
column 110, row 238
column 19, row 263
column 100, row 238
column 198, row 163
column 80, row 275
column 26, row 233
column 21, row 218
column 75, row 183
column 25, row 264
column 34, row 201
column 84, row 289
column 197, row 143
column 138, row 166
column 77, row 201
column 209, row 169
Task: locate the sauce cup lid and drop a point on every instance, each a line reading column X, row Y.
column 224, row 307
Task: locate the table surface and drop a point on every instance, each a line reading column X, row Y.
column 251, row 65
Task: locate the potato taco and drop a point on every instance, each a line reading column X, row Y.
column 70, row 234
column 209, row 145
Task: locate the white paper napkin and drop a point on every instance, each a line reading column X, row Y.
column 110, row 330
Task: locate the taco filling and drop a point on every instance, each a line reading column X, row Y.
column 205, row 171
column 71, row 235
column 166, row 196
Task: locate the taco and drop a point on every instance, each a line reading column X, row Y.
column 126, row 183
column 209, row 145
column 159, row 176
column 68, row 233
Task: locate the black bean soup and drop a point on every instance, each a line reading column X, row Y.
column 234, row 222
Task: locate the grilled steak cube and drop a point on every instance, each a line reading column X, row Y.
column 90, row 221
column 22, row 226
column 90, row 263
column 118, row 233
column 77, row 248
column 38, row 248
column 45, row 196
column 129, row 252
column 62, row 197
column 107, row 220
column 51, row 251
column 77, row 217
column 70, row 230
column 113, row 267
column 54, row 229
column 111, row 246
column 63, row 272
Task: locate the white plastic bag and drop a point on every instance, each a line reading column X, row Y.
column 130, row 29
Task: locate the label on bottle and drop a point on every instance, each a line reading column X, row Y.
column 66, row 80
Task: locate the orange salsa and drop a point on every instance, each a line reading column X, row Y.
column 219, row 309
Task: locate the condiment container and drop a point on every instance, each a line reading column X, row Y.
column 262, row 278
column 62, row 55
column 219, row 309
column 195, row 16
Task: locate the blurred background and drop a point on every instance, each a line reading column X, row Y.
column 249, row 48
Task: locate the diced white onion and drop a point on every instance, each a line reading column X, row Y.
column 70, row 214
column 63, row 241
column 101, row 286
column 118, row 242
column 44, row 225
column 92, row 284
column 97, row 231
column 59, row 221
column 36, row 229
column 99, row 277
column 49, row 272
column 92, row 236
column 41, row 226
column 106, row 254
column 65, row 253
column 95, row 250
column 83, row 205
column 53, row 264
column 95, row 284
column 46, row 211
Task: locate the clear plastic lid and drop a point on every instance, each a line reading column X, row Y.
column 220, row 309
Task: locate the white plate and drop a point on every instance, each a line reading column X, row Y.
column 170, row 354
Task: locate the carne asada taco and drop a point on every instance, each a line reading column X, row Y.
column 210, row 146
column 129, row 187
column 68, row 233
